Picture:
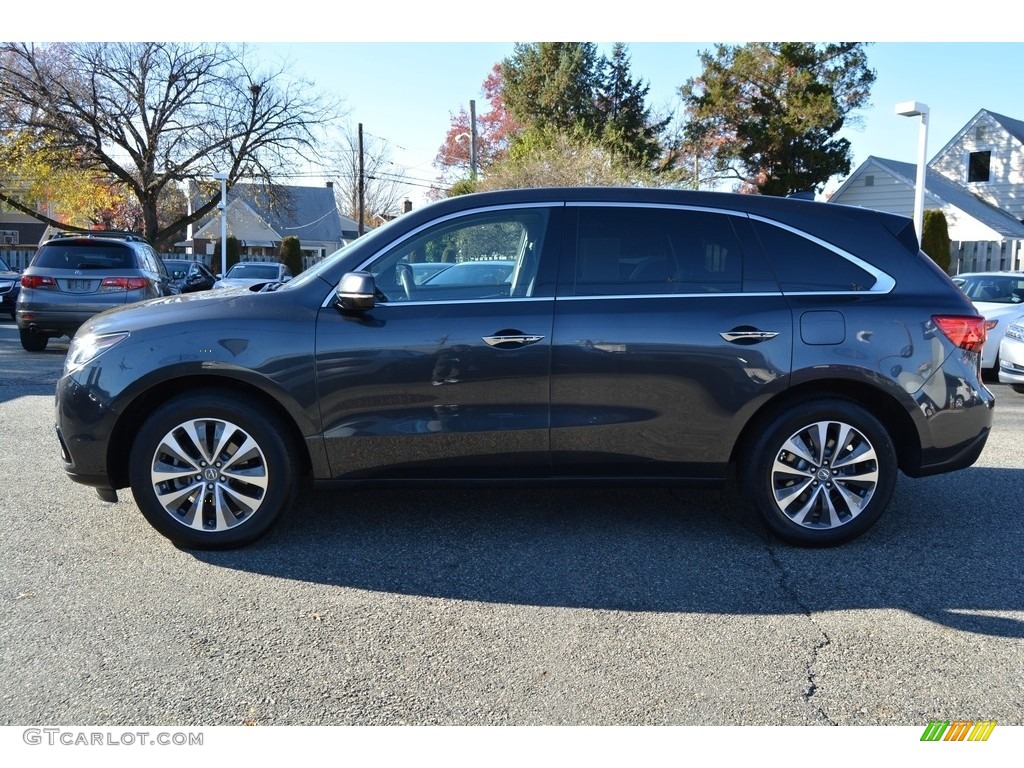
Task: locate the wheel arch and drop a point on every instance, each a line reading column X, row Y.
column 127, row 426
column 897, row 421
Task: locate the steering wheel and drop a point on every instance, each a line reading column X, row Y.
column 404, row 273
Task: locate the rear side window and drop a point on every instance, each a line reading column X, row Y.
column 624, row 251
column 803, row 266
column 80, row 256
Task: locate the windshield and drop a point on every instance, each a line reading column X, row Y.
column 4, row 267
column 998, row 289
column 253, row 272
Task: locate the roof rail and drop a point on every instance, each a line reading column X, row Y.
column 119, row 234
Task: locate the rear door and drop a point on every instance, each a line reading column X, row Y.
column 668, row 333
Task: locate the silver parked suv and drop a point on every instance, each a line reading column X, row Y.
column 74, row 276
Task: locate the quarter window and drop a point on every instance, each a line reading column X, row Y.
column 803, row 266
column 627, row 251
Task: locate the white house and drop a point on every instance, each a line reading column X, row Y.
column 976, row 179
column 260, row 218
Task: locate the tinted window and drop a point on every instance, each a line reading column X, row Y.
column 84, row 256
column 636, row 251
column 490, row 255
column 802, row 265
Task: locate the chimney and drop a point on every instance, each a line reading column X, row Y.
column 330, row 185
column 406, row 206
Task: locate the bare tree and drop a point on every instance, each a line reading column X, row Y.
column 384, row 183
column 155, row 114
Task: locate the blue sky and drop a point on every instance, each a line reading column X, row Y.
column 385, row 63
column 405, row 93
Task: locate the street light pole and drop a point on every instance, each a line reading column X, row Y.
column 915, row 109
column 223, row 178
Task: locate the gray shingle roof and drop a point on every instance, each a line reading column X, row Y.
column 1014, row 127
column 948, row 192
column 308, row 213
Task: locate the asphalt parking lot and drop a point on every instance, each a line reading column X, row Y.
column 496, row 606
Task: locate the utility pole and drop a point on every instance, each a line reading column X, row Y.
column 361, row 183
column 472, row 139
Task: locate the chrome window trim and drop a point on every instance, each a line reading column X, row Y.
column 508, row 299
column 703, row 295
column 659, row 206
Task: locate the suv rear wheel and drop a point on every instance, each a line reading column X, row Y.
column 821, row 473
column 211, row 472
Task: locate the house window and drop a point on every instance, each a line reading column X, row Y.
column 978, row 166
column 869, row 180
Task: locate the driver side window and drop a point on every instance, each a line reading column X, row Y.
column 481, row 256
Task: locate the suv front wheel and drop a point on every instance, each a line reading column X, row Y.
column 211, row 472
column 821, row 473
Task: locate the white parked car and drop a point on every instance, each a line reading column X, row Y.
column 999, row 296
column 246, row 274
column 1011, row 355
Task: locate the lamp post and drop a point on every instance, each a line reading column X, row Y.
column 915, row 109
column 223, row 178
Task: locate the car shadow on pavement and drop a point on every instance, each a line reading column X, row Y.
column 937, row 552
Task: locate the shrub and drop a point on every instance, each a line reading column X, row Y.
column 935, row 237
column 290, row 254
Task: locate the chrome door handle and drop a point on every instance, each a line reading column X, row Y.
column 745, row 336
column 511, row 341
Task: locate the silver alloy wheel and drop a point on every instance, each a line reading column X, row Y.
column 209, row 474
column 824, row 475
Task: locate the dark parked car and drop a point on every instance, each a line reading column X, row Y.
column 189, row 276
column 73, row 277
column 10, row 285
column 643, row 336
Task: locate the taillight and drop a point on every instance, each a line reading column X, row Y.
column 124, row 283
column 965, row 331
column 37, row 281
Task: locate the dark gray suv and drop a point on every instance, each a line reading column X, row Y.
column 642, row 336
column 72, row 277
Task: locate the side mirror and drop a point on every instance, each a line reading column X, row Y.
column 356, row 291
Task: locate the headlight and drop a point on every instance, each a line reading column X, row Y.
column 87, row 347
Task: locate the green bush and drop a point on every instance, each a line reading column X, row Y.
column 935, row 238
column 290, row 254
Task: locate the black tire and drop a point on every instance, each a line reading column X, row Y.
column 33, row 341
column 804, row 494
column 203, row 501
column 1019, row 388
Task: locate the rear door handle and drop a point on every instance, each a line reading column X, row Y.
column 511, row 340
column 747, row 335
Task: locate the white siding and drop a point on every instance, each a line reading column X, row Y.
column 886, row 193
column 1005, row 188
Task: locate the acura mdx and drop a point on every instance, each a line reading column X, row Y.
column 811, row 351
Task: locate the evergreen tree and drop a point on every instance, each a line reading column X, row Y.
column 935, row 237
column 776, row 109
column 549, row 87
column 628, row 131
